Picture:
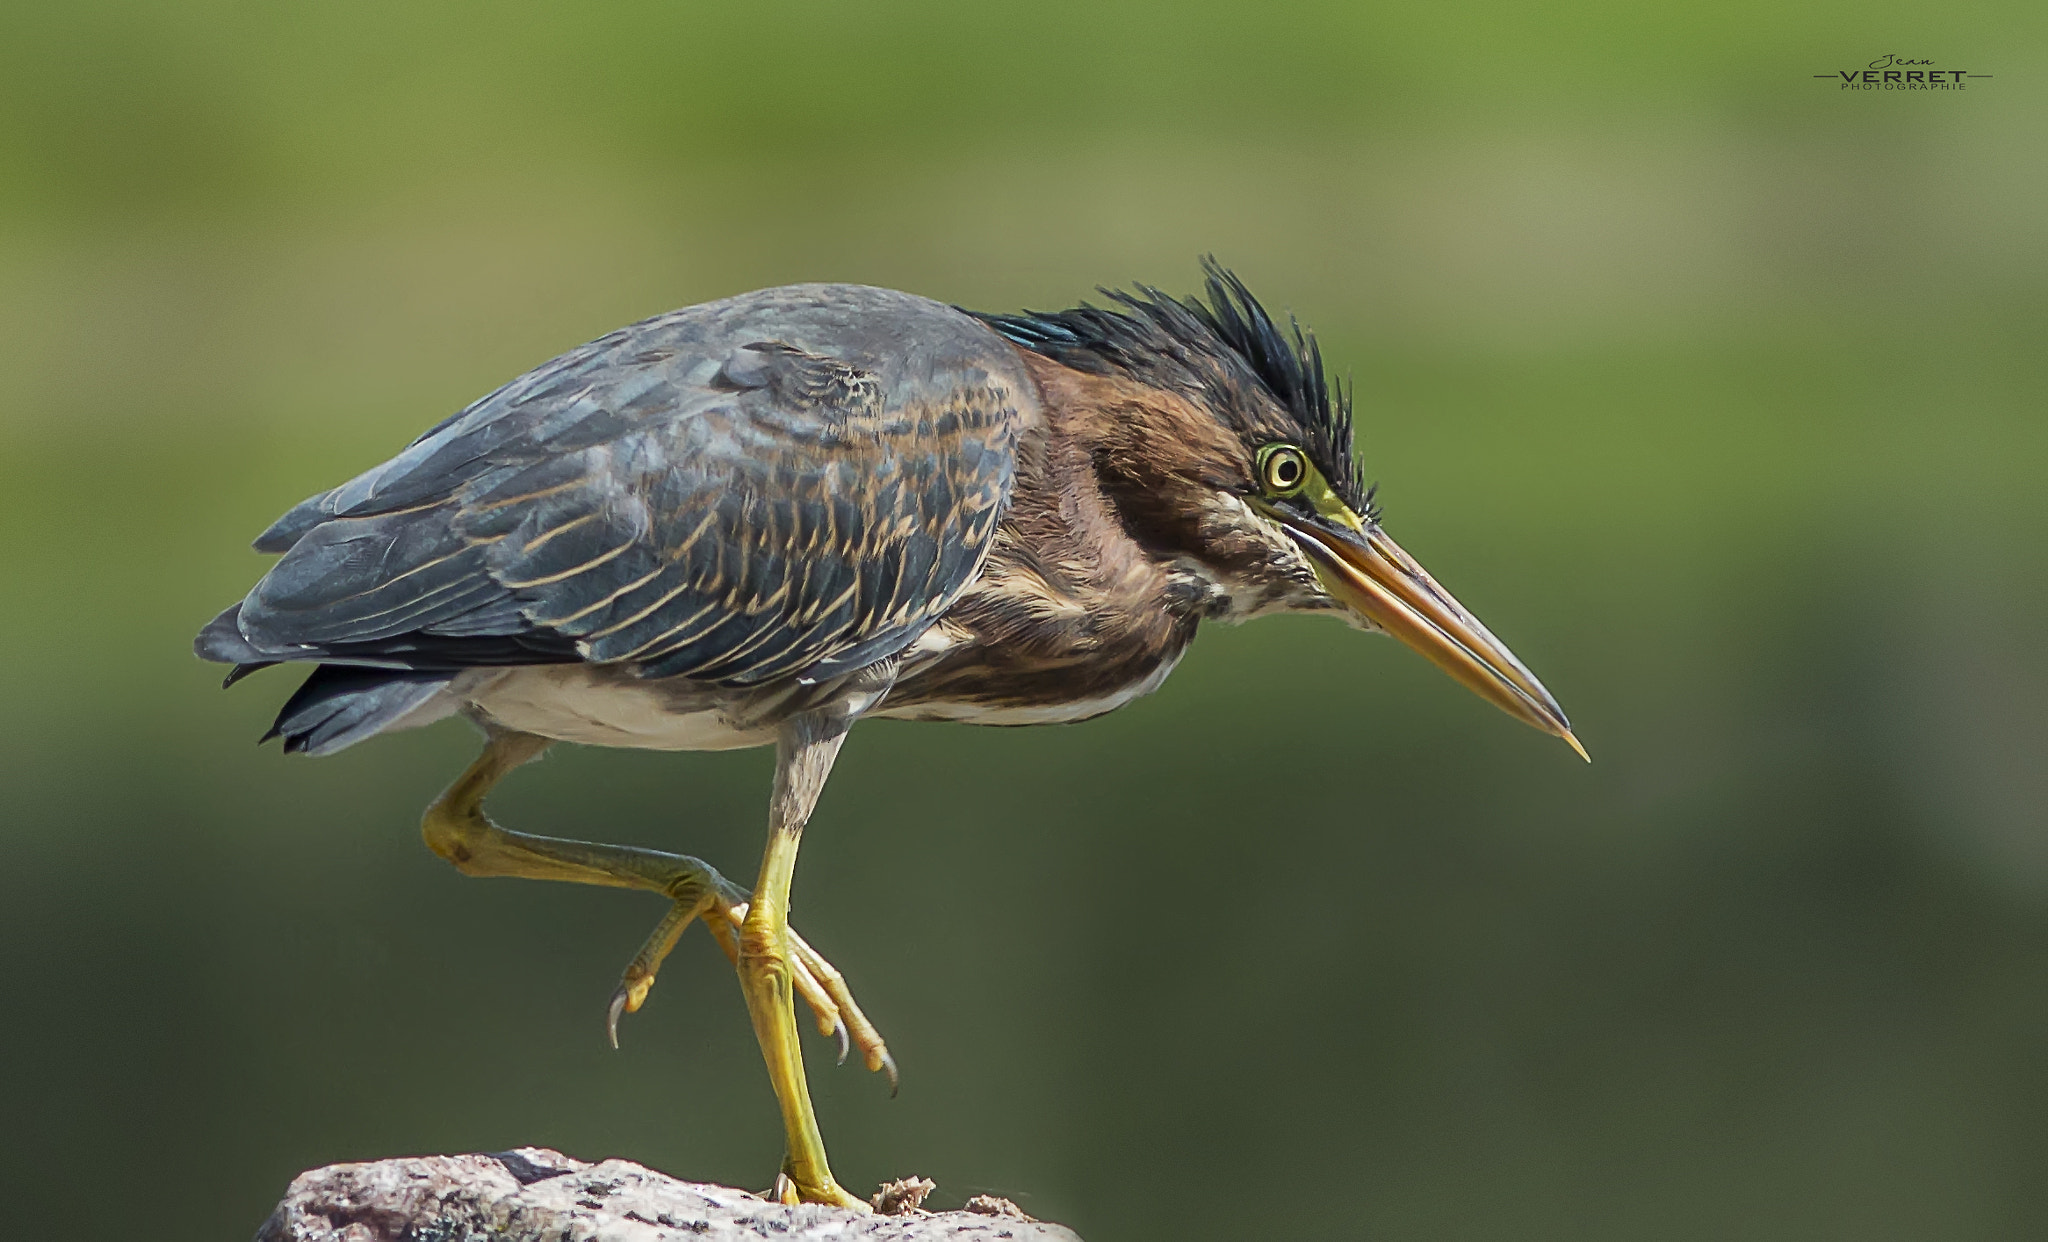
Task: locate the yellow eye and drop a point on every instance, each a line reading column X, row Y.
column 1282, row 469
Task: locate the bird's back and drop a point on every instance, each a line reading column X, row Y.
column 786, row 484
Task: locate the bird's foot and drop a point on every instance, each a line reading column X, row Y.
column 786, row 1191
column 698, row 891
column 824, row 990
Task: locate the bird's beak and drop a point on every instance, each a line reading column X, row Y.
column 1370, row 574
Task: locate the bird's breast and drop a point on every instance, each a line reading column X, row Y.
column 1010, row 656
column 993, row 695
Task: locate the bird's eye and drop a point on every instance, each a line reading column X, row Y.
column 1282, row 469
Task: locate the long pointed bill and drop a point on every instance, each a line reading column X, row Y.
column 1372, row 576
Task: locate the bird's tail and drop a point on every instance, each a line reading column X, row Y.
column 340, row 705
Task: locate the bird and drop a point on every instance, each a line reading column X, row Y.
column 760, row 520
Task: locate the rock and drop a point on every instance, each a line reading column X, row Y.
column 537, row 1195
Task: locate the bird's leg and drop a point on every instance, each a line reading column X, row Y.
column 769, row 956
column 456, row 828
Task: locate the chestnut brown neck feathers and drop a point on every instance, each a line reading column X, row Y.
column 1077, row 601
column 1106, row 562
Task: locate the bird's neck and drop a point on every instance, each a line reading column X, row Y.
column 1070, row 519
column 1083, row 602
column 1131, row 467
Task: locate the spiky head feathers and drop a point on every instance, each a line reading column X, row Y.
column 1226, row 354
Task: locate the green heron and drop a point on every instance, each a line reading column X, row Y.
column 759, row 520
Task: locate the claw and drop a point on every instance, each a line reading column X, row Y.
column 630, row 995
column 611, row 1016
column 825, row 988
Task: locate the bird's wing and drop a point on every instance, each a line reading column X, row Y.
column 789, row 483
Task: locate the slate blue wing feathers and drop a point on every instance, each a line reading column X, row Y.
column 795, row 482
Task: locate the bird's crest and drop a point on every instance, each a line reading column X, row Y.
column 1179, row 343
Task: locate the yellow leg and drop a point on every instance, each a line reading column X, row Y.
column 769, row 960
column 772, row 960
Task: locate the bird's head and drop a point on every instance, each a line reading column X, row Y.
column 1227, row 452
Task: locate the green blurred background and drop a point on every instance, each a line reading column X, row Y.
column 1716, row 390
